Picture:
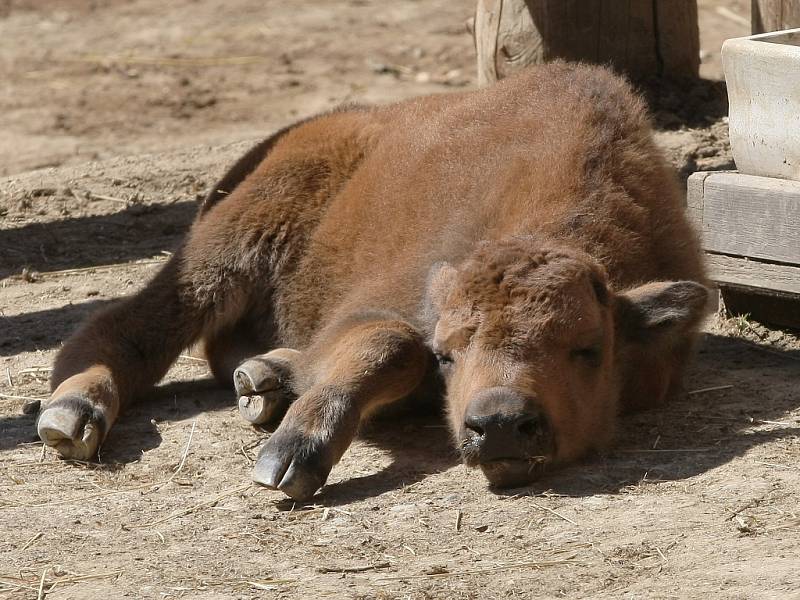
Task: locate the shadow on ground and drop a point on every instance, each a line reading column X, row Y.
column 686, row 438
column 43, row 329
column 81, row 242
column 696, row 434
column 689, row 437
column 136, row 431
column 138, row 231
column 685, row 103
column 418, row 446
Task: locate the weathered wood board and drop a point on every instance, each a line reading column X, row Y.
column 745, row 215
column 767, row 278
column 750, row 230
column 774, row 15
column 642, row 38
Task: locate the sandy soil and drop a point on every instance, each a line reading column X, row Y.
column 698, row 500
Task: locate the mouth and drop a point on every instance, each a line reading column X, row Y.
column 515, row 467
column 513, row 472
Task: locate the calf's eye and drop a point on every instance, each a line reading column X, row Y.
column 590, row 355
column 444, row 360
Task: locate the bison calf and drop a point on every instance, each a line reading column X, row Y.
column 524, row 243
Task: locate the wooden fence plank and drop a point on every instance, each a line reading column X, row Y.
column 762, row 277
column 521, row 45
column 642, row 38
column 774, row 15
column 678, row 37
column 752, row 216
column 791, row 14
column 614, row 35
column 487, row 26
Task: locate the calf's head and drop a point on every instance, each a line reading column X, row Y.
column 537, row 352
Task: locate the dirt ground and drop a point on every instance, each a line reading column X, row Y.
column 129, row 110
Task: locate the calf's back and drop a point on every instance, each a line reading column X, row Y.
column 561, row 150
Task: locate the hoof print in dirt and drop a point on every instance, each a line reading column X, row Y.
column 293, row 464
column 73, row 427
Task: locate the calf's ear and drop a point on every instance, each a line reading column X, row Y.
column 655, row 324
column 660, row 308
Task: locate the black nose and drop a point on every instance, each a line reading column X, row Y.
column 507, row 435
column 503, row 426
column 504, row 434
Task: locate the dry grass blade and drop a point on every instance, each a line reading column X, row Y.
column 44, row 584
column 359, row 569
column 94, row 269
column 29, row 398
column 192, row 358
column 751, row 504
column 182, row 461
column 75, row 578
column 34, row 370
column 663, row 450
column 552, row 512
column 173, row 62
column 12, row 584
column 781, row 423
column 101, row 268
column 534, row 564
column 268, row 584
column 40, row 595
column 82, row 498
column 192, row 509
column 93, row 196
column 788, row 525
column 31, row 541
column 715, row 388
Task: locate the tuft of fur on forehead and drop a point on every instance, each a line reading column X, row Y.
column 520, row 288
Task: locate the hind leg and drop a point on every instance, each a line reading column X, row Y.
column 233, row 256
column 227, row 348
column 118, row 354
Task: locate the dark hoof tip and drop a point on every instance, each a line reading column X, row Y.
column 31, row 407
column 288, row 462
column 72, row 426
column 269, row 471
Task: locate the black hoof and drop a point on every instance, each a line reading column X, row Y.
column 73, row 426
column 263, row 388
column 293, row 464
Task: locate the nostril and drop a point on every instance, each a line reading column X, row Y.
column 474, row 425
column 529, row 426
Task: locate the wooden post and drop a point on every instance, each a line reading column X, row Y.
column 774, row 15
column 643, row 38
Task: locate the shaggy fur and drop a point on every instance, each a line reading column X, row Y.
column 515, row 231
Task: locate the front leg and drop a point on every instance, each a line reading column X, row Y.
column 352, row 370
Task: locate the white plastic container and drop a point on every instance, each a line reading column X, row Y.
column 763, row 77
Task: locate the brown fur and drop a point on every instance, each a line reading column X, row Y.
column 502, row 227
